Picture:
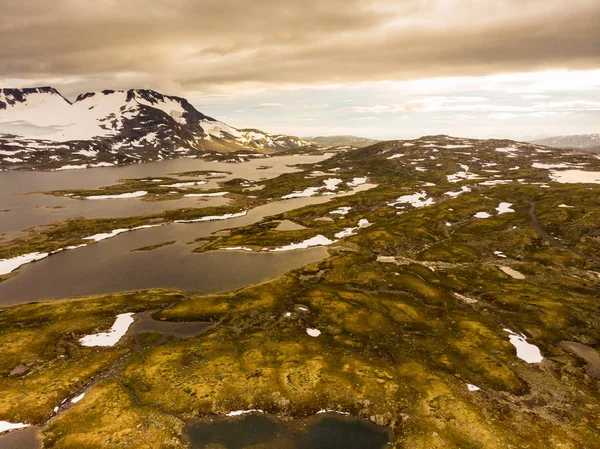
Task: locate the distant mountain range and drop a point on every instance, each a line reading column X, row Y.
column 39, row 128
column 590, row 142
column 340, row 141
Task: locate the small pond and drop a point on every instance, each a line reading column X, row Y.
column 324, row 431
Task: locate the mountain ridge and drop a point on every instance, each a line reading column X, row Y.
column 16, row 94
column 40, row 128
column 342, row 140
column 571, row 141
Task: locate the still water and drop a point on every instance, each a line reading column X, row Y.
column 144, row 323
column 325, row 431
column 112, row 265
column 20, row 210
column 21, row 439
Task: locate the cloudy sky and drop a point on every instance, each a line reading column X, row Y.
column 376, row 68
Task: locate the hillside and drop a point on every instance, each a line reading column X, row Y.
column 455, row 294
column 574, row 141
column 339, row 141
column 39, row 128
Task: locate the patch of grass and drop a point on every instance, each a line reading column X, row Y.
column 44, row 337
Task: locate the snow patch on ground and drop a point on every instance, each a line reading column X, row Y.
column 357, row 182
column 76, row 399
column 456, row 146
column 112, row 337
column 332, row 411
column 313, row 332
column 102, row 164
column 482, row 215
column 549, row 166
column 116, row 197
column 243, row 412
column 504, row 208
column 344, row 233
column 462, row 175
column 115, row 232
column 525, row 351
column 575, row 176
column 200, row 195
column 495, row 182
column 463, row 189
column 472, row 387
column 70, row 167
column 465, row 299
column 416, row 200
column 6, row 426
column 341, row 211
column 183, row 185
column 9, row 265
column 330, row 184
column 213, row 218
column 512, row 273
column 509, row 150
column 318, row 240
column 309, row 191
column 87, row 153
column 321, row 240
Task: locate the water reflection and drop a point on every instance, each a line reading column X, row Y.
column 25, row 211
column 320, row 432
column 110, row 265
column 234, row 434
column 97, row 270
column 332, row 432
column 144, row 323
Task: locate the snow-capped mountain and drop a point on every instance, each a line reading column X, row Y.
column 39, row 128
column 575, row 141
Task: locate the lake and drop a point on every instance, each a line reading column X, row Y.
column 112, row 266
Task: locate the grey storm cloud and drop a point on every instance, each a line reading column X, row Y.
column 207, row 43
